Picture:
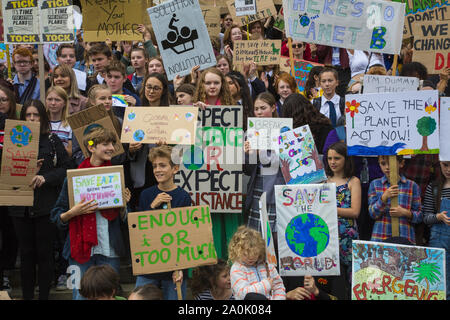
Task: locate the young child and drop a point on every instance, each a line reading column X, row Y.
column 146, row 292
column 94, row 236
column 408, row 211
column 212, row 89
column 100, row 283
column 330, row 103
column 436, row 205
column 212, row 282
column 115, row 79
column 250, row 273
column 157, row 197
column 339, row 169
column 139, row 59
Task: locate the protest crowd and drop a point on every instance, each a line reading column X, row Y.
column 59, row 244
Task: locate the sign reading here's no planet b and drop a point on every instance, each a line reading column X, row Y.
column 182, row 37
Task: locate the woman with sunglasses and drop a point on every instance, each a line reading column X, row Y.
column 301, row 50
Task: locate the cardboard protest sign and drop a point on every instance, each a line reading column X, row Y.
column 245, row 7
column 263, row 133
column 174, row 125
column 267, row 231
column 105, row 185
column 301, row 69
column 171, row 239
column 299, row 158
column 444, row 134
column 414, row 6
column 21, row 21
column 307, row 227
column 379, row 84
column 211, row 170
column 261, row 52
column 182, row 37
column 84, row 121
column 387, row 271
column 375, row 26
column 19, row 162
column 114, row 20
column 264, row 9
column 56, row 21
column 392, row 123
column 211, row 15
column 431, row 40
column 424, row 12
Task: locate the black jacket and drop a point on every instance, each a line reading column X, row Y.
column 45, row 196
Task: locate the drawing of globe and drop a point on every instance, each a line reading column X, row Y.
column 138, row 135
column 193, row 158
column 21, row 136
column 307, row 235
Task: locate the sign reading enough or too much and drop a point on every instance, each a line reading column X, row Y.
column 171, row 239
column 260, row 52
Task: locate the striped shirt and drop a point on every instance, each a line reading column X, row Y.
column 247, row 279
column 429, row 205
column 207, row 295
column 408, row 198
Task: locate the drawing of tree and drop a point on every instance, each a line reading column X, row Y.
column 425, row 126
column 428, row 272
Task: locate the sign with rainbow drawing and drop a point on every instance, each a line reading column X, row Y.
column 393, row 123
column 387, row 271
column 307, row 229
column 174, row 125
column 299, row 158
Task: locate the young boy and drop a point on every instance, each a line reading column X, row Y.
column 157, row 197
column 94, row 236
column 100, row 283
column 115, row 79
column 330, row 104
column 408, row 211
column 26, row 84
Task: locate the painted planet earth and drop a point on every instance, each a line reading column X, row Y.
column 307, row 235
column 21, row 136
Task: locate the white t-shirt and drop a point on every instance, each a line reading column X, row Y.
column 358, row 61
column 63, row 133
column 325, row 107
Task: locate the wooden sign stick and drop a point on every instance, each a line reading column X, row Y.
column 177, row 283
column 41, row 72
column 393, row 175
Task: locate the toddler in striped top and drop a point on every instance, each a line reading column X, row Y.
column 250, row 273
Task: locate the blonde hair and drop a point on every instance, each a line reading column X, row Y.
column 67, row 71
column 224, row 94
column 92, row 93
column 63, row 95
column 246, row 242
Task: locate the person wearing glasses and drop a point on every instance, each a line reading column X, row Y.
column 155, row 91
column 301, row 50
column 26, row 84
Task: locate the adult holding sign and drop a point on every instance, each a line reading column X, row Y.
column 182, row 37
column 94, row 235
column 32, row 225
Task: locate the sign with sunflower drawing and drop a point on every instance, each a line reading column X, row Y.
column 387, row 271
column 402, row 123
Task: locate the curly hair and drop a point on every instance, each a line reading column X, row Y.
column 224, row 94
column 205, row 277
column 246, row 242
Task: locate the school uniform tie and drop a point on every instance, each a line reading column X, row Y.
column 332, row 113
